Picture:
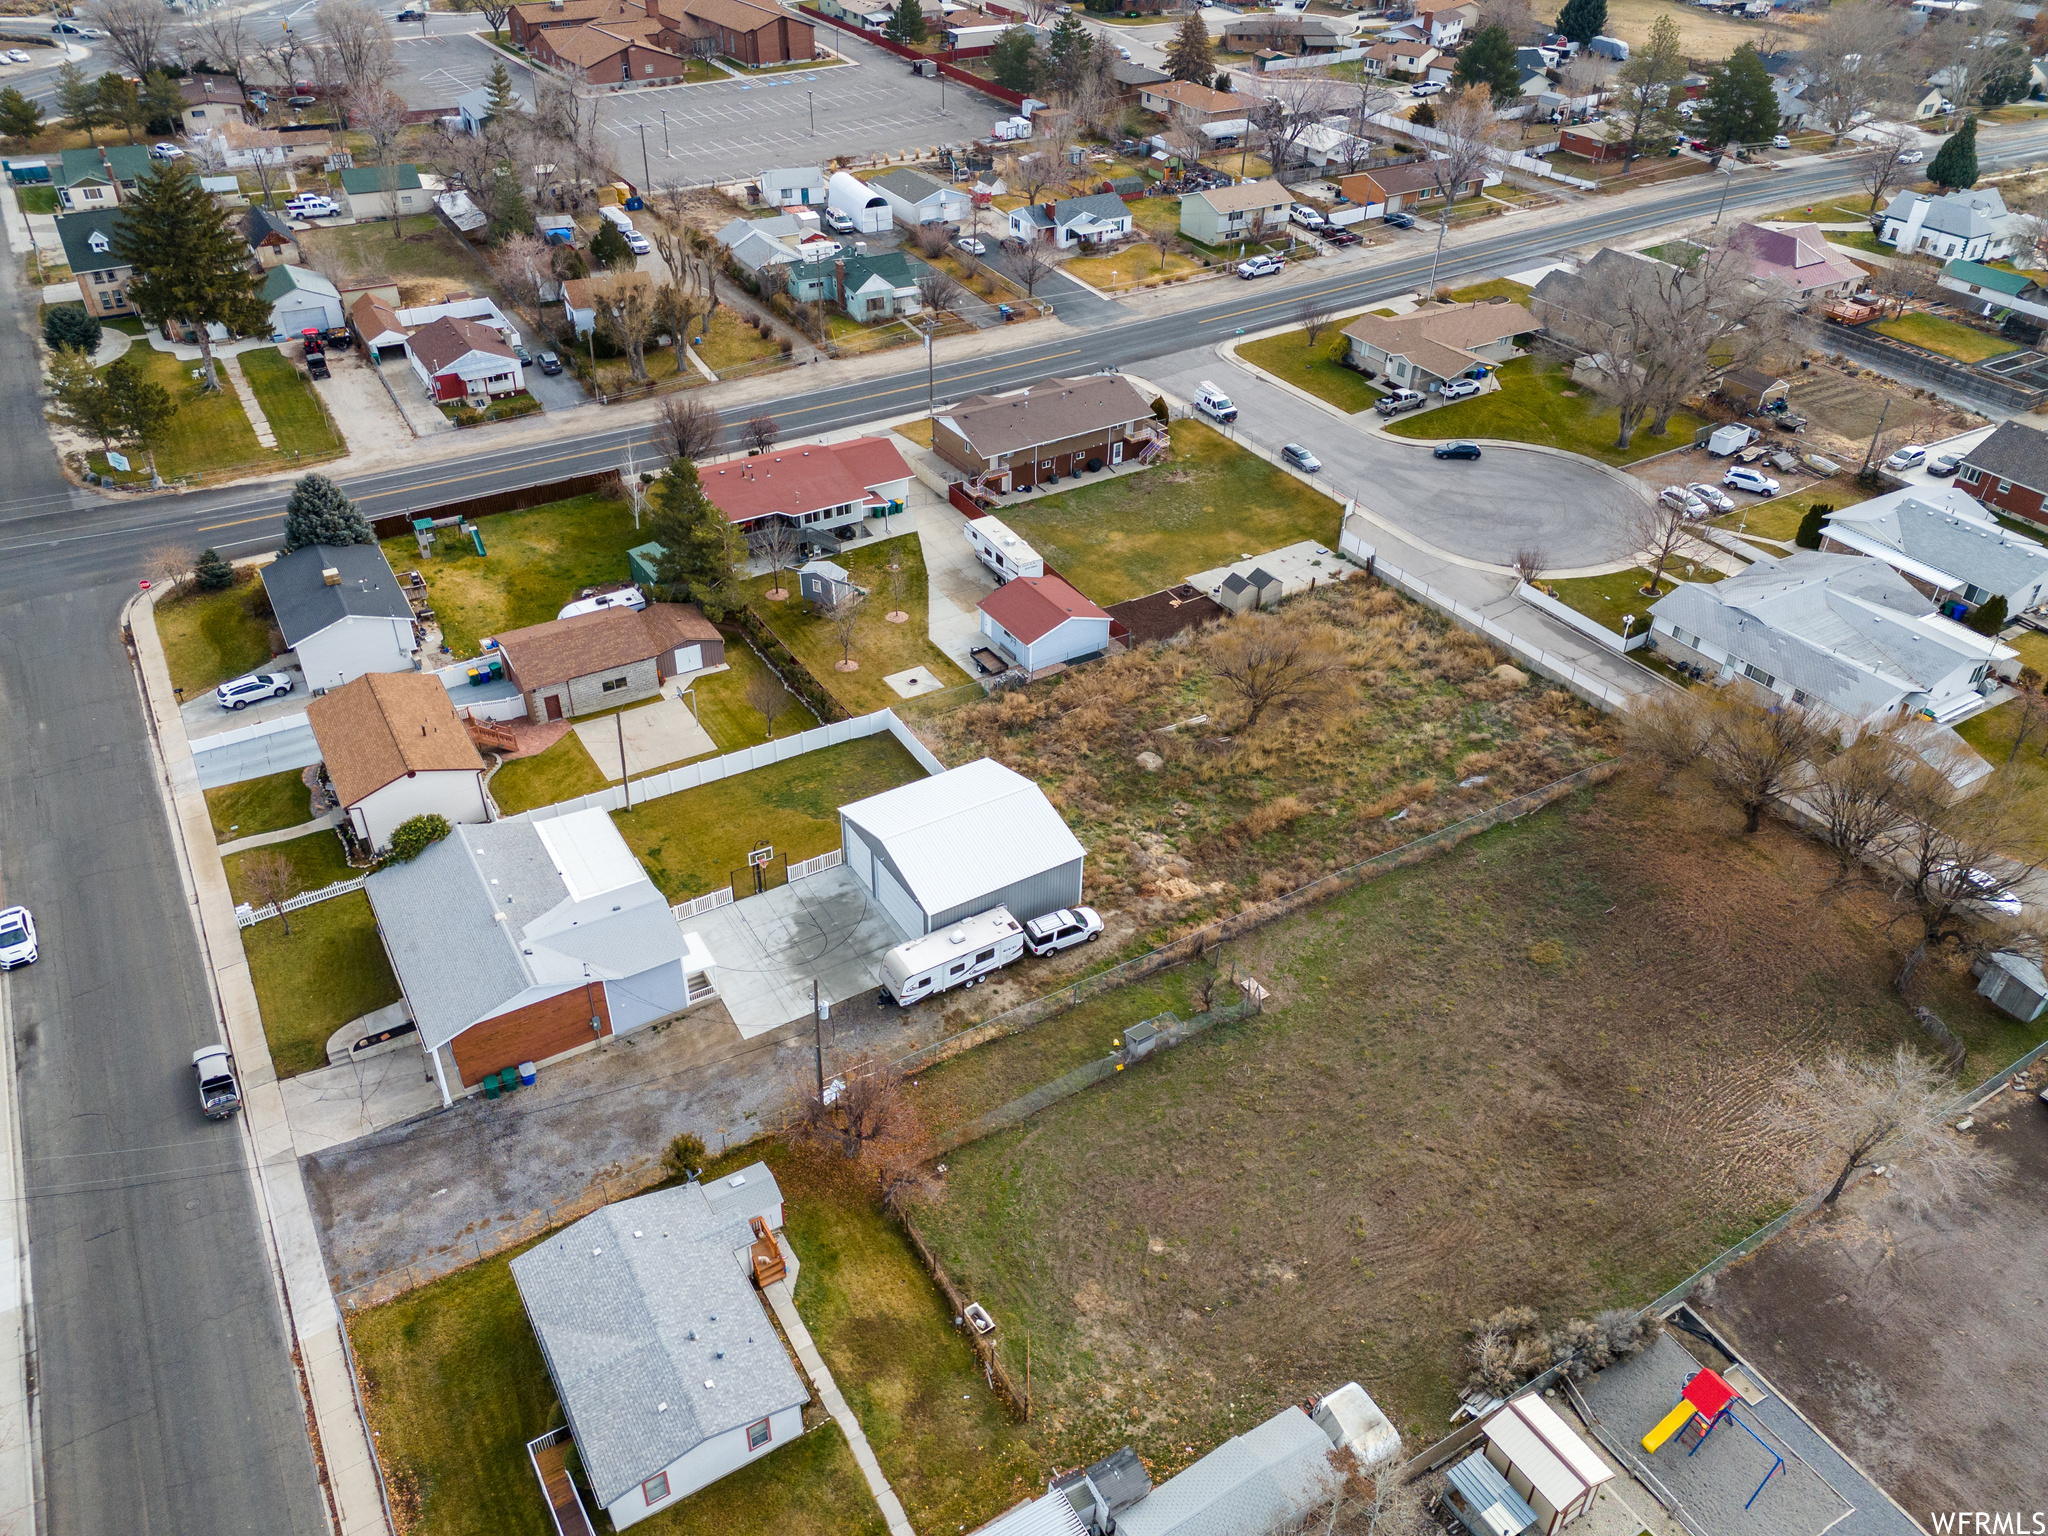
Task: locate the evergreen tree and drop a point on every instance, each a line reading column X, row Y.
column 1424, row 116
column 120, row 103
column 80, row 399
column 1582, row 20
column 163, row 105
column 1016, row 61
column 189, row 265
column 608, row 247
column 68, row 325
column 1955, row 164
column 1190, row 56
column 20, row 118
column 213, row 573
column 1068, row 51
column 78, row 99
column 907, row 23
column 695, row 547
column 1808, row 536
column 504, row 106
column 2007, row 77
column 1990, row 618
column 1739, row 107
column 143, row 408
column 1488, row 59
column 318, row 513
column 1648, row 101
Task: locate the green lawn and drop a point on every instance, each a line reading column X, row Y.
column 296, row 415
column 210, row 432
column 539, row 559
column 692, row 842
column 1946, row 337
column 881, row 648
column 2033, row 649
column 732, row 343
column 1496, row 288
column 1679, row 253
column 1608, row 599
column 1537, row 403
column 1319, row 369
column 562, row 772
column 329, row 970
column 1861, row 240
column 1208, row 505
column 723, row 710
column 36, row 199
column 317, row 857
column 1992, row 733
column 268, row 804
column 1779, row 517
column 209, row 637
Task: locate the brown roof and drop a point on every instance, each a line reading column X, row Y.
column 385, row 725
column 578, row 292
column 371, row 316
column 736, row 15
column 1438, row 336
column 447, row 341
column 198, row 90
column 1047, row 412
column 542, row 655
column 546, row 14
column 585, row 46
column 1200, row 97
column 1245, row 195
column 1397, row 180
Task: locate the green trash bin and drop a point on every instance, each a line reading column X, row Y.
column 508, row 1080
column 491, row 1086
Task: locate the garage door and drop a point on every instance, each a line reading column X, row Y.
column 689, row 658
column 858, row 859
column 292, row 320
column 903, row 912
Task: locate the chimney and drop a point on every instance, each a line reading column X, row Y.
column 330, row 576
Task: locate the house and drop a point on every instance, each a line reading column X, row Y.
column 102, row 276
column 1748, row 389
column 817, row 488
column 271, row 241
column 524, row 940
column 1548, row 1468
column 804, row 184
column 569, row 667
column 1996, row 289
column 751, row 35
column 1798, row 257
column 456, row 359
column 1053, row 428
column 474, row 108
column 298, row 298
column 848, row 194
column 1393, row 188
column 239, row 147
column 1446, row 27
column 2009, row 471
column 377, row 326
column 1093, row 220
column 1410, row 59
column 1974, row 225
column 879, row 285
column 342, row 612
column 1039, row 620
column 211, row 100
column 960, row 843
column 1835, row 630
column 803, row 258
column 1183, row 101
column 98, row 178
column 580, row 298
column 1285, row 33
column 1377, row 59
column 1943, row 541
column 1244, row 210
column 1597, row 141
column 1438, row 341
column 528, row 21
column 621, row 53
column 1132, row 77
column 916, row 199
column 383, row 191
column 460, row 212
column 395, row 749
column 668, row 1368
column 824, row 585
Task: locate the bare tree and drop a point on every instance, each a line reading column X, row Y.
column 1292, row 104
column 1856, row 795
column 171, row 563
column 1748, row 754
column 225, row 40
column 1471, row 134
column 1312, row 314
column 135, row 32
column 624, row 302
column 1647, row 104
column 1264, row 662
column 1853, row 55
column 1893, row 1113
column 1518, row 17
column 1652, row 532
column 1895, row 284
column 1184, row 135
column 1027, row 265
column 359, row 39
column 767, row 696
column 1030, row 174
column 938, row 290
column 779, row 543
column 1531, row 561
column 844, row 617
column 272, row 880
column 1956, row 862
column 1161, row 240
column 377, row 112
column 874, row 1120
column 687, row 428
column 1962, row 49
column 1585, row 76
column 760, row 432
column 517, row 263
column 1884, row 166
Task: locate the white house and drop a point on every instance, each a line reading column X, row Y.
column 914, row 198
column 960, row 843
column 803, row 185
column 1972, row 226
column 1836, row 630
column 459, row 358
column 848, row 194
column 298, row 298
column 1093, row 220
column 1944, row 541
column 341, row 611
column 395, row 749
column 386, row 191
column 668, row 1366
column 1038, row 620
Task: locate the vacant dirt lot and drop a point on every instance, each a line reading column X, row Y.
column 1529, row 1072
column 1915, row 1342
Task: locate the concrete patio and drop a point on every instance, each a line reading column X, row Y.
column 656, row 735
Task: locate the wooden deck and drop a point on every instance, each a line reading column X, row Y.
column 570, row 1519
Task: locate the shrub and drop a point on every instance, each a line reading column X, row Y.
column 68, row 325
column 684, row 1155
column 1159, row 409
column 213, row 573
column 1990, row 618
column 787, row 346
column 1808, row 536
column 412, row 838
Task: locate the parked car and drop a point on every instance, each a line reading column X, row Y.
column 1457, row 450
column 68, row 29
column 1259, row 266
column 410, row 13
column 1339, row 236
column 1912, row 157
column 1300, row 458
column 1755, row 481
column 525, row 357
column 219, row 1094
column 17, row 55
column 972, row 245
column 241, row 691
column 638, row 243
column 1683, row 500
column 1460, row 389
column 1398, row 219
column 1123, row 53
column 1717, row 500
column 1425, row 88
column 1306, row 216
column 1945, row 464
column 1983, row 886
column 1396, row 401
column 1909, row 457
column 17, row 938
column 311, row 205
column 165, row 152
column 1062, row 930
column 1214, row 404
column 1779, row 141
column 550, row 364
column 837, row 222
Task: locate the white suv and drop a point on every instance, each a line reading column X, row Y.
column 18, row 938
column 240, row 693
column 1062, row 929
column 1755, row 481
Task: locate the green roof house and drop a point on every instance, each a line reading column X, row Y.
column 880, row 285
column 89, row 252
column 384, row 192
column 1994, row 289
column 98, row 178
column 299, row 298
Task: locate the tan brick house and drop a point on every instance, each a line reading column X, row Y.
column 1053, row 428
column 570, row 667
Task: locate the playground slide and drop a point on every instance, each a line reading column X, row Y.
column 1668, row 1426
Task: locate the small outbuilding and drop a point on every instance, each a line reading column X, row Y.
column 825, row 584
column 848, row 194
column 342, row 611
column 300, row 298
column 1545, row 1462
column 1039, row 620
column 2013, row 983
column 959, row 843
column 395, row 749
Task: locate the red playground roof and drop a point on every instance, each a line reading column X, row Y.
column 1709, row 1394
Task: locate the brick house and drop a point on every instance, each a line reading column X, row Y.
column 753, row 35
column 1391, row 188
column 1053, row 428
column 569, row 667
column 2009, row 471
column 89, row 252
column 621, row 53
column 529, row 21
column 1179, row 98
column 817, row 488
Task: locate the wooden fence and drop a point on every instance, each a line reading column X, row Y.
column 499, row 501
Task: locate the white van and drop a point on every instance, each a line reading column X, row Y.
column 1001, row 550
column 959, row 955
column 617, row 216
column 1213, row 403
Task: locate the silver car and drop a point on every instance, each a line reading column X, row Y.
column 1680, row 499
column 1715, row 498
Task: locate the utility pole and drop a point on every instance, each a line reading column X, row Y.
column 647, row 175
column 1727, row 181
column 664, row 135
column 1871, row 452
column 931, row 406
column 818, row 1036
column 812, row 107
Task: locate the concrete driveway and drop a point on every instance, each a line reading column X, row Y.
column 956, row 581
column 1480, row 510
column 203, row 716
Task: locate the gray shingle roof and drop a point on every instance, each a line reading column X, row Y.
column 1965, row 215
column 2016, row 453
column 652, row 1329
column 1962, row 543
column 913, row 185
column 1255, row 1482
column 76, row 230
column 305, row 604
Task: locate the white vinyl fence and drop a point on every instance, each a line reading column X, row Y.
column 1513, row 159
column 1312, row 60
column 247, row 916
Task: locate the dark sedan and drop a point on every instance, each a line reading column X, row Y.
column 1457, row 451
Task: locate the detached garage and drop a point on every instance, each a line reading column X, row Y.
column 959, row 843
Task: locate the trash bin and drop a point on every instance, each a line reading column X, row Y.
column 507, row 1080
column 491, row 1086
column 527, row 1074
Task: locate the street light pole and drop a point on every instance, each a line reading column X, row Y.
column 812, row 107
column 1727, row 181
column 646, row 172
column 665, row 154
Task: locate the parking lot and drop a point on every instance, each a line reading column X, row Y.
column 699, row 134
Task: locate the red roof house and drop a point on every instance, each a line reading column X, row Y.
column 1039, row 620
column 813, row 487
column 455, row 358
column 1799, row 257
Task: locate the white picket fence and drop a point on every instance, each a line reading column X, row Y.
column 697, row 906
column 817, row 865
column 247, row 916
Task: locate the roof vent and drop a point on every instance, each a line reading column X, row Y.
column 661, row 1407
column 958, row 936
column 636, row 1234
column 737, row 1180
column 709, row 1384
column 720, row 1354
column 330, row 576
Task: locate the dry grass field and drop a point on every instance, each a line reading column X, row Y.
column 1531, row 1071
column 1701, row 34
